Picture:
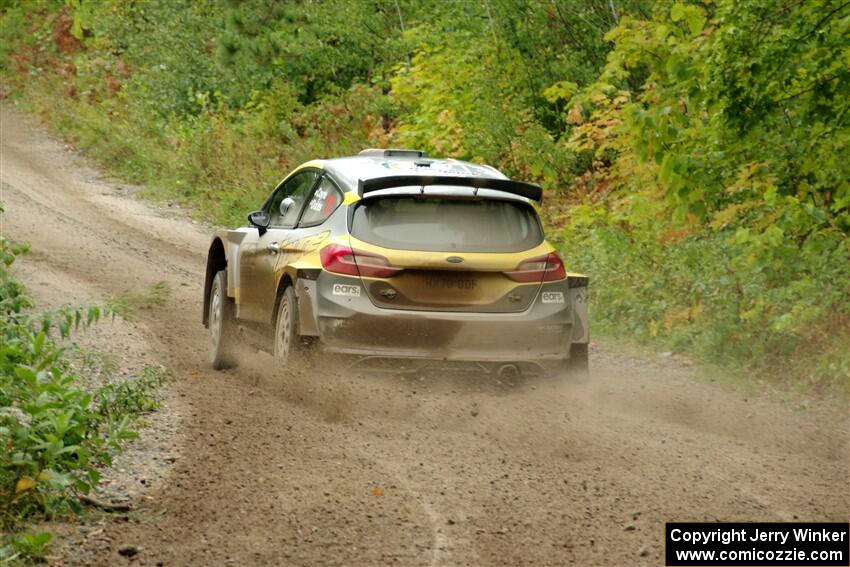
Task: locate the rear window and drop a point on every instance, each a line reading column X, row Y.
column 447, row 225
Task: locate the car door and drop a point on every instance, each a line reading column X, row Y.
column 259, row 263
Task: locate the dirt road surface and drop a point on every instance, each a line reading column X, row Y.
column 386, row 470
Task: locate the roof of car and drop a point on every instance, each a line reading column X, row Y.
column 351, row 170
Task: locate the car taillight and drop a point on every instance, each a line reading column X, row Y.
column 541, row 269
column 374, row 266
column 341, row 259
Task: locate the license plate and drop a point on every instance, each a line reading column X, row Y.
column 450, row 283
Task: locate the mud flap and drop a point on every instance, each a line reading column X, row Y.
column 578, row 301
column 305, row 293
column 578, row 365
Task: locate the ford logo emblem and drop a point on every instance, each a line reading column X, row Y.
column 454, row 259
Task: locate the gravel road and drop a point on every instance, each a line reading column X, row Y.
column 389, row 470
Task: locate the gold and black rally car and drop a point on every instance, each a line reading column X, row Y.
column 392, row 255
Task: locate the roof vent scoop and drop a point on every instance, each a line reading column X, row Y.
column 382, row 152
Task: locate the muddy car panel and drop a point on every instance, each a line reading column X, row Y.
column 350, row 322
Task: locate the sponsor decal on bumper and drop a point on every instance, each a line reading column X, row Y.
column 346, row 290
column 552, row 297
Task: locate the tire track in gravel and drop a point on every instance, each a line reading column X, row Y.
column 324, row 468
column 442, row 547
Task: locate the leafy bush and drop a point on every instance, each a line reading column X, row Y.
column 55, row 433
column 709, row 225
column 25, row 549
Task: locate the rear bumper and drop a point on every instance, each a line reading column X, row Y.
column 348, row 322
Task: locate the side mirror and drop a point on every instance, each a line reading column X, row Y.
column 260, row 219
column 285, row 205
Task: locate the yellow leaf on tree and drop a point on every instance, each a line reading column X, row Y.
column 23, row 485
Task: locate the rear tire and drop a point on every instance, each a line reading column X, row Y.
column 578, row 365
column 222, row 324
column 287, row 343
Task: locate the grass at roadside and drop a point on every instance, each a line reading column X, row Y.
column 124, row 304
column 785, row 390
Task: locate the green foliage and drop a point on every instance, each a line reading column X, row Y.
column 746, row 103
column 131, row 397
column 12, row 36
column 320, row 50
column 452, row 103
column 724, row 184
column 25, row 549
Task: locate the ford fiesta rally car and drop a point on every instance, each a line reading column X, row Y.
column 392, row 255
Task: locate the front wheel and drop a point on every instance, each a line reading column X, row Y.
column 286, row 340
column 222, row 324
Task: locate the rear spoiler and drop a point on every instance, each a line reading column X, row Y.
column 527, row 190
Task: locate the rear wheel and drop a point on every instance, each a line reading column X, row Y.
column 578, row 365
column 287, row 343
column 222, row 324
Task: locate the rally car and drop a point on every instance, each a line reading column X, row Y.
column 391, row 255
